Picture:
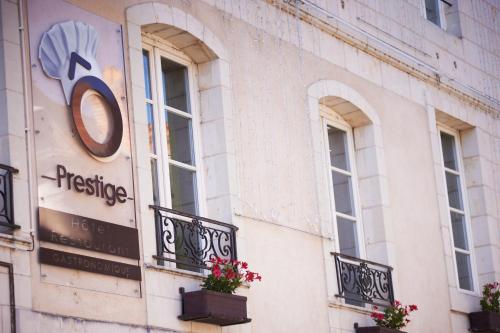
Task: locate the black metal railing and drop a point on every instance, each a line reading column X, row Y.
column 7, row 197
column 191, row 241
column 362, row 281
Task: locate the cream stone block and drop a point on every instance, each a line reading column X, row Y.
column 22, row 290
column 486, row 259
column 220, row 208
column 483, row 230
column 459, row 322
column 332, row 49
column 482, row 201
column 164, row 14
column 142, row 14
column 4, row 287
column 216, row 135
column 368, row 136
column 215, row 44
column 145, row 189
column 215, row 103
column 478, row 171
column 163, row 312
column 137, row 70
column 17, row 156
column 368, row 162
column 216, row 176
column 395, row 80
column 134, row 36
column 160, row 284
column 142, row 149
column 375, row 224
column 148, row 237
column 214, row 73
column 138, row 111
column 373, row 191
column 205, row 328
column 365, row 66
column 12, row 118
column 21, row 261
column 9, row 22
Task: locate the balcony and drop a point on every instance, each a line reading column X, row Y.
column 361, row 281
column 7, row 199
column 190, row 241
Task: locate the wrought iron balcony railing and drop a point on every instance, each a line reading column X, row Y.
column 362, row 281
column 190, row 241
column 7, row 197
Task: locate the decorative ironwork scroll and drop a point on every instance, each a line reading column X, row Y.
column 6, row 197
column 191, row 241
column 362, row 281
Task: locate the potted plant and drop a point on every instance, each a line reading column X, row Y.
column 487, row 320
column 215, row 303
column 391, row 320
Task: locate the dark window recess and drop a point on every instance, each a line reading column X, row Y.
column 7, row 199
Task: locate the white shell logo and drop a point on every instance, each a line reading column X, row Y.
column 67, row 53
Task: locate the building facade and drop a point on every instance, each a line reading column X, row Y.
column 348, row 150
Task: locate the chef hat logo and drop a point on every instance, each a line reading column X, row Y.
column 67, row 53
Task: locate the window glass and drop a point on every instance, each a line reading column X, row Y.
column 151, row 128
column 179, row 138
column 464, row 271
column 183, row 189
column 337, row 140
column 342, row 191
column 449, row 155
column 454, row 191
column 154, row 176
column 432, row 11
column 459, row 230
column 175, row 88
column 348, row 243
column 451, row 163
column 147, row 75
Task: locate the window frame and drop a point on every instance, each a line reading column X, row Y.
column 466, row 211
column 158, row 49
column 329, row 120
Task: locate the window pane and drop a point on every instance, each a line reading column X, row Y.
column 337, row 140
column 459, row 231
column 348, row 242
column 342, row 192
column 449, row 155
column 147, row 76
column 151, row 128
column 179, row 138
column 464, row 271
column 454, row 191
column 183, row 189
column 432, row 11
column 175, row 85
column 154, row 177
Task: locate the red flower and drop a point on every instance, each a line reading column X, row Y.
column 230, row 274
column 216, row 271
column 413, row 307
column 244, row 265
column 249, row 277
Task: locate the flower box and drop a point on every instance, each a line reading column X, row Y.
column 213, row 307
column 376, row 329
column 485, row 322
